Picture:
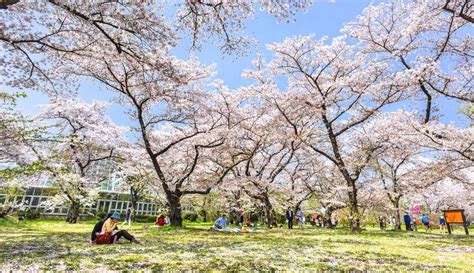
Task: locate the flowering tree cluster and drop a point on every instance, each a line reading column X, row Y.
column 18, row 135
column 85, row 137
column 330, row 133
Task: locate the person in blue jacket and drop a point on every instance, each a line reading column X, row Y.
column 220, row 223
column 442, row 224
column 426, row 222
column 407, row 220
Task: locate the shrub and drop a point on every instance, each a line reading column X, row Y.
column 33, row 214
column 139, row 218
column 28, row 214
column 254, row 217
column 191, row 216
column 101, row 215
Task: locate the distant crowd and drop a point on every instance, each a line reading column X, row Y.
column 106, row 231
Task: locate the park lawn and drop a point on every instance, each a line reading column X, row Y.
column 56, row 245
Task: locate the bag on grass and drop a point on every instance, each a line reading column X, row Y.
column 103, row 238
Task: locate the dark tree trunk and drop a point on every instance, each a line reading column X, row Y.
column 271, row 221
column 174, row 203
column 204, row 215
column 203, row 211
column 355, row 217
column 73, row 212
column 6, row 208
column 327, row 217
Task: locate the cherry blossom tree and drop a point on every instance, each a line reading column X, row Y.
column 271, row 154
column 86, row 137
column 298, row 180
column 20, row 134
column 463, row 9
column 134, row 173
column 410, row 162
column 426, row 43
column 400, row 165
column 179, row 123
column 36, row 35
column 328, row 188
column 455, row 145
column 445, row 194
column 324, row 135
column 206, row 19
column 333, row 90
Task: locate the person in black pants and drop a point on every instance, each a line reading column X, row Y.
column 289, row 217
column 407, row 219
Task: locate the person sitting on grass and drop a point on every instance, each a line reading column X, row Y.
column 160, row 220
column 98, row 227
column 220, row 223
column 110, row 233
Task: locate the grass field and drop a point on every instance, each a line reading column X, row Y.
column 55, row 245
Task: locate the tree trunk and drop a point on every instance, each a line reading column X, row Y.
column 73, row 212
column 327, row 217
column 204, row 215
column 203, row 211
column 6, row 208
column 175, row 210
column 398, row 224
column 271, row 221
column 355, row 217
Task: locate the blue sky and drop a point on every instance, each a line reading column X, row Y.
column 322, row 19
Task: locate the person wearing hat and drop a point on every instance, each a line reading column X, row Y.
column 109, row 229
column 98, row 228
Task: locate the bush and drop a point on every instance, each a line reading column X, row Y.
column 139, row 218
column 191, row 216
column 28, row 214
column 101, row 215
column 254, row 217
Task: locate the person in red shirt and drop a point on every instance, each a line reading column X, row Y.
column 160, row 221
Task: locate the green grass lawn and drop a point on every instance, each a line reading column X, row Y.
column 55, row 245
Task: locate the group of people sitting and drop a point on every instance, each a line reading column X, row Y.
column 106, row 231
column 221, row 225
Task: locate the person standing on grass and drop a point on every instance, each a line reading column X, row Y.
column 407, row 220
column 289, row 217
column 442, row 224
column 110, row 233
column 300, row 217
column 381, row 222
column 426, row 222
column 414, row 226
column 128, row 215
